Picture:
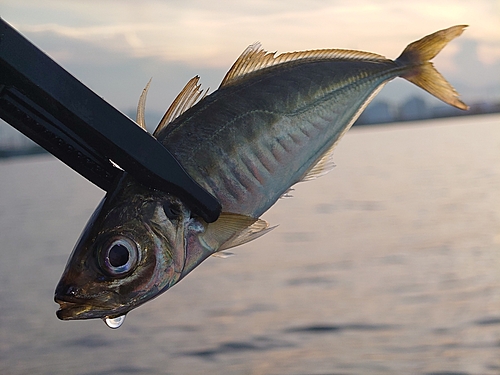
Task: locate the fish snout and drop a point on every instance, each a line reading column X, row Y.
column 74, row 303
column 63, row 290
column 70, row 304
column 77, row 302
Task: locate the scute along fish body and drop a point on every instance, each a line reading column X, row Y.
column 273, row 122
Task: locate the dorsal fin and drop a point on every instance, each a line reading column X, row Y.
column 141, row 107
column 186, row 99
column 255, row 58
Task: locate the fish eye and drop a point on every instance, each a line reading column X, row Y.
column 172, row 210
column 118, row 256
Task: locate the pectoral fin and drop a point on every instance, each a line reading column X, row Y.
column 254, row 231
column 231, row 230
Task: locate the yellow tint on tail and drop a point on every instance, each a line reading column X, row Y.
column 417, row 55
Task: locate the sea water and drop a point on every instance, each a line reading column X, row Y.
column 390, row 264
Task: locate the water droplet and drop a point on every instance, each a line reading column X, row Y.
column 114, row 323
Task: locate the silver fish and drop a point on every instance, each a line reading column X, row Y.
column 273, row 122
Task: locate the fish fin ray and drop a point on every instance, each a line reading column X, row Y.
column 223, row 254
column 255, row 58
column 189, row 96
column 254, row 231
column 287, row 193
column 141, row 106
column 324, row 165
column 424, row 75
column 231, row 230
column 224, row 228
column 434, row 83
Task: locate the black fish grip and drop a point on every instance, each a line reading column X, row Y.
column 47, row 104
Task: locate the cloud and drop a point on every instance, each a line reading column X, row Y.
column 201, row 33
column 117, row 48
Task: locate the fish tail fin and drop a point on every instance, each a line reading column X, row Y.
column 422, row 73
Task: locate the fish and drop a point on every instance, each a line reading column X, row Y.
column 273, row 122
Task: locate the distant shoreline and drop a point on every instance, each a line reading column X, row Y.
column 416, row 109
column 6, row 153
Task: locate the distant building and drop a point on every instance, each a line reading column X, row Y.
column 378, row 112
column 444, row 110
column 414, row 108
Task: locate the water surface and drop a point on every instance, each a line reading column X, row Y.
column 390, row 264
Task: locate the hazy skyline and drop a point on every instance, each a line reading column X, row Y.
column 115, row 47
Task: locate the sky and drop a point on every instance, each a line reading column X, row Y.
column 115, row 47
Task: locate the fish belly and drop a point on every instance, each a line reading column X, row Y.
column 250, row 142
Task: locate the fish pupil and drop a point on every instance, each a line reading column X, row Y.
column 118, row 255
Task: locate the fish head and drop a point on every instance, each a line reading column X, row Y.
column 132, row 249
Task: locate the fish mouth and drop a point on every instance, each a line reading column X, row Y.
column 72, row 310
column 77, row 309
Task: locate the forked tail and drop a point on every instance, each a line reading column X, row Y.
column 422, row 73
